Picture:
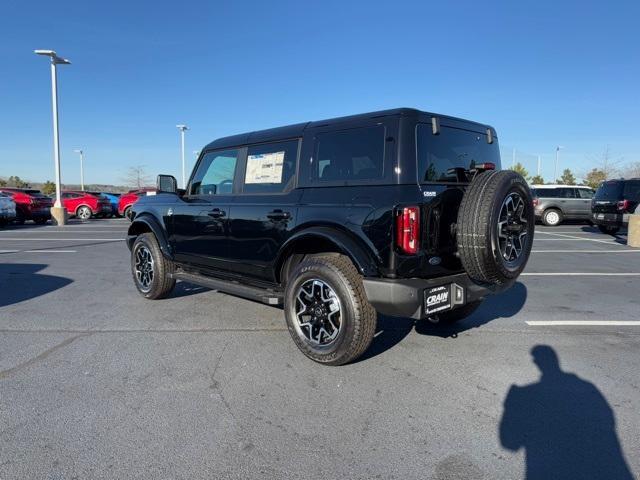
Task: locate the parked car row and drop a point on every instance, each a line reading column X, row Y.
column 608, row 207
column 23, row 204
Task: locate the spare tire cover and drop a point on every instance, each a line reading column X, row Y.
column 495, row 227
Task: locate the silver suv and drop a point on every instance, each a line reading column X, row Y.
column 555, row 203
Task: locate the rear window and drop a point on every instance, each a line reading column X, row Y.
column 439, row 156
column 610, row 191
column 350, row 155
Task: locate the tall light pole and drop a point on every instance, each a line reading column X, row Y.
column 81, row 168
column 539, row 165
column 555, row 170
column 182, row 129
column 58, row 213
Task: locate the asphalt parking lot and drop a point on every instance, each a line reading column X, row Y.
column 96, row 382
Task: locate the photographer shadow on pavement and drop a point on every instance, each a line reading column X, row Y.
column 21, row 281
column 564, row 424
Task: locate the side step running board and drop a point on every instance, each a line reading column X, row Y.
column 270, row 297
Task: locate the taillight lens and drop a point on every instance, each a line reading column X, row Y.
column 623, row 205
column 535, row 202
column 408, row 229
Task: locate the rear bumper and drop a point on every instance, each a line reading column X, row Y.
column 405, row 297
column 610, row 219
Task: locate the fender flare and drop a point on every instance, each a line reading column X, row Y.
column 363, row 259
column 150, row 223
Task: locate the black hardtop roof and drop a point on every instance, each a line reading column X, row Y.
column 296, row 130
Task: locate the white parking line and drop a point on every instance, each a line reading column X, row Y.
column 46, row 232
column 585, row 251
column 579, row 274
column 63, row 239
column 570, row 240
column 9, row 251
column 578, row 238
column 596, row 323
column 50, row 251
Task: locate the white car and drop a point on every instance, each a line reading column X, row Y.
column 7, row 209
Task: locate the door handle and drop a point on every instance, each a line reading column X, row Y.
column 278, row 215
column 217, row 213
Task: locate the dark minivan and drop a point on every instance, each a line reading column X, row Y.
column 613, row 202
column 400, row 212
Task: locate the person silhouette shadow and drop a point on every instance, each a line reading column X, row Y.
column 564, row 424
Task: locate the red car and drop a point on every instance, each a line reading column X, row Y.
column 30, row 204
column 84, row 205
column 128, row 199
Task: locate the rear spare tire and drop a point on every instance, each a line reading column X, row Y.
column 495, row 227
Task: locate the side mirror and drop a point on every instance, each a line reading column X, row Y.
column 167, row 184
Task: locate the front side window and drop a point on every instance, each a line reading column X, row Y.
column 215, row 173
column 350, row 155
column 270, row 167
column 585, row 193
column 442, row 157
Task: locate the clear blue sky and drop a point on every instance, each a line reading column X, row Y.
column 548, row 73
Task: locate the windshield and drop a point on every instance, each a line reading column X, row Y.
column 439, row 155
column 611, row 190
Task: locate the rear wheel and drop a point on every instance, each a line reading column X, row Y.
column 151, row 271
column 610, row 230
column 327, row 311
column 127, row 213
column 552, row 217
column 84, row 212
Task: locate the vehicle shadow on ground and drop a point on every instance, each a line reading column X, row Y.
column 184, row 289
column 391, row 330
column 21, row 281
column 564, row 424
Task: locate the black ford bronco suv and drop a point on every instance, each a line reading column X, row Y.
column 400, row 212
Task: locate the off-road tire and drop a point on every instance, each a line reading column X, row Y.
column 452, row 316
column 162, row 282
column 358, row 318
column 608, row 230
column 477, row 227
column 548, row 217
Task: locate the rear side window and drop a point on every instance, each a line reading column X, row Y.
column 566, row 193
column 270, row 167
column 215, row 173
column 547, row 192
column 632, row 190
column 441, row 156
column 350, row 155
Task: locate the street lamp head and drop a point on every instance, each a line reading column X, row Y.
column 559, row 147
column 54, row 57
column 182, row 127
column 78, row 151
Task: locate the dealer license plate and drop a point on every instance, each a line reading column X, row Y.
column 437, row 299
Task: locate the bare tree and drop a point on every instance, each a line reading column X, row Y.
column 137, row 177
column 607, row 163
column 632, row 170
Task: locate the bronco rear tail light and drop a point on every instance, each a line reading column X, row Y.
column 535, row 202
column 408, row 229
column 623, row 205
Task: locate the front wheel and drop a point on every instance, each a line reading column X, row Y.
column 608, row 229
column 127, row 214
column 151, row 271
column 84, row 213
column 327, row 311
